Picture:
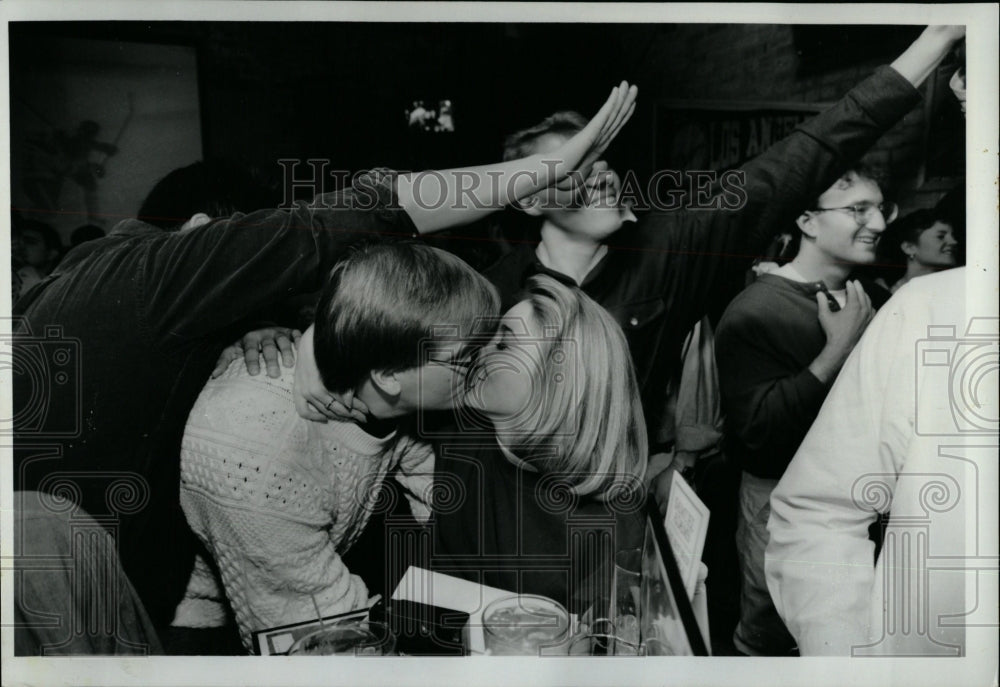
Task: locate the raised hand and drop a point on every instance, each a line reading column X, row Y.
column 581, row 151
column 926, row 52
column 470, row 193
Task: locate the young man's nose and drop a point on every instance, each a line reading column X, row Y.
column 876, row 222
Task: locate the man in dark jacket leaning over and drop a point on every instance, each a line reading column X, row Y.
column 132, row 325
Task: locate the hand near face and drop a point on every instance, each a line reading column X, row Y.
column 585, row 148
column 843, row 329
column 312, row 400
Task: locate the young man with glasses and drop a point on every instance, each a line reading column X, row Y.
column 780, row 345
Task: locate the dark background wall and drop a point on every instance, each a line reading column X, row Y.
column 339, row 90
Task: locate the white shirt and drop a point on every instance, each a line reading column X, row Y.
column 895, row 435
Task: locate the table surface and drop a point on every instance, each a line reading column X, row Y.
column 437, row 589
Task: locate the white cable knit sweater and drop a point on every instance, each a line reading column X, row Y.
column 276, row 499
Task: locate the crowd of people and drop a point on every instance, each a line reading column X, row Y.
column 508, row 409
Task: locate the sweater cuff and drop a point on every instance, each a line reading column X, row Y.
column 886, row 95
column 811, row 391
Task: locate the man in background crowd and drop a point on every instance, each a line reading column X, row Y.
column 35, row 251
column 894, row 434
column 781, row 343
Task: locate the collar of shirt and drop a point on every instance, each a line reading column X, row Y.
column 810, row 288
column 534, row 266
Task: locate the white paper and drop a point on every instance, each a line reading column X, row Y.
column 686, row 523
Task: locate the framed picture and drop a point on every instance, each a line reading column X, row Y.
column 95, row 124
column 669, row 626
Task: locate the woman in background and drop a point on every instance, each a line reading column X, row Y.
column 925, row 240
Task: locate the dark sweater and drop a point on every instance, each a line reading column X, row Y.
column 507, row 527
column 663, row 274
column 764, row 345
column 123, row 336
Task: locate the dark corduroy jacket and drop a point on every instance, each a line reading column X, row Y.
column 117, row 342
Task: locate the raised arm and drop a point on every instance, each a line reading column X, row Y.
column 440, row 200
column 699, row 248
column 195, row 283
column 920, row 59
column 793, row 172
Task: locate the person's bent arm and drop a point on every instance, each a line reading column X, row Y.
column 795, row 171
column 819, row 560
column 842, row 329
column 768, row 410
column 440, row 200
column 769, row 403
column 737, row 216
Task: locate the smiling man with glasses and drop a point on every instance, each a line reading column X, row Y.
column 780, row 345
column 863, row 212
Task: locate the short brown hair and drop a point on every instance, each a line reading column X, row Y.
column 382, row 300
column 519, row 144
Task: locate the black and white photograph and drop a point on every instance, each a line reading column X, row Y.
column 547, row 343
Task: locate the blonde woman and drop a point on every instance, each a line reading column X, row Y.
column 538, row 503
column 537, row 480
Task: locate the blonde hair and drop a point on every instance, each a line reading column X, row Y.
column 590, row 428
column 383, row 299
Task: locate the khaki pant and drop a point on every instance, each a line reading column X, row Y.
column 71, row 595
column 760, row 631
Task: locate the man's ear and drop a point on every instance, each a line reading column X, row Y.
column 806, row 224
column 386, row 382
